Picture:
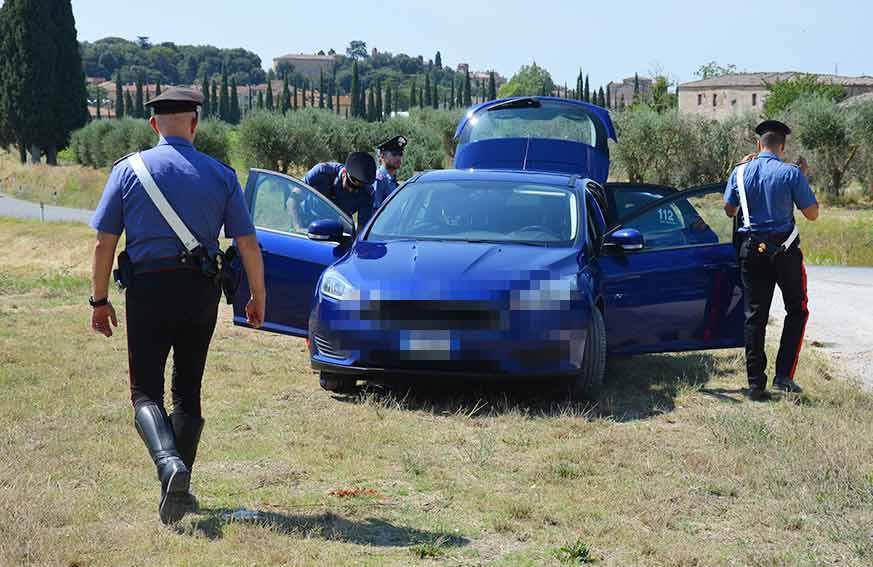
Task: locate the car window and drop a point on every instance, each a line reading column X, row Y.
column 285, row 205
column 553, row 120
column 688, row 221
column 628, row 201
column 480, row 210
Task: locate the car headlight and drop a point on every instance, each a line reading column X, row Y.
column 545, row 295
column 335, row 286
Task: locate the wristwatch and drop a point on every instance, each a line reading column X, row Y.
column 99, row 302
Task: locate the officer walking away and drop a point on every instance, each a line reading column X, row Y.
column 767, row 189
column 391, row 158
column 349, row 185
column 171, row 292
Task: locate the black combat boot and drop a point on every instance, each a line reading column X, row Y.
column 155, row 430
column 187, row 430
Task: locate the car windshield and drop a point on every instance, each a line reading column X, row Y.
column 480, row 211
column 539, row 119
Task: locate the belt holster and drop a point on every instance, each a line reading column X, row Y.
column 123, row 275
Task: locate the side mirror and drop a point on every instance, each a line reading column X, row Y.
column 626, row 238
column 326, row 230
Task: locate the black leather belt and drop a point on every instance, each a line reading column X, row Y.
column 164, row 265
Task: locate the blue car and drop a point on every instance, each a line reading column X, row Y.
column 522, row 261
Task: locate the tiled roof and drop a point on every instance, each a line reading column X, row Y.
column 761, row 79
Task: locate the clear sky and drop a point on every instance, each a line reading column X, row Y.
column 609, row 39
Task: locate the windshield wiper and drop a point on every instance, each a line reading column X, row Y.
column 517, row 103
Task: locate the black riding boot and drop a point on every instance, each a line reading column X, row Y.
column 187, row 430
column 154, row 428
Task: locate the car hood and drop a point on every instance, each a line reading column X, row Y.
column 454, row 265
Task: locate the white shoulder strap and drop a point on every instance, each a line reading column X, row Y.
column 157, row 197
column 744, row 203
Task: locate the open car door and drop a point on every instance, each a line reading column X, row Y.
column 681, row 290
column 282, row 209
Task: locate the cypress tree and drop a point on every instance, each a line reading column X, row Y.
column 413, row 90
column 207, row 100
column 296, row 104
column 608, row 97
column 99, row 96
column 587, row 90
column 119, row 96
column 312, row 95
column 224, row 100
column 260, row 100
column 428, row 94
column 601, row 98
column 438, row 60
column 269, row 96
column 234, row 103
column 356, row 91
column 580, row 86
column 304, row 93
column 129, row 109
column 70, row 108
column 139, row 109
column 636, row 88
column 459, row 98
column 331, row 89
column 421, row 97
column 371, row 106
column 286, row 96
column 379, row 110
column 492, row 86
column 436, row 97
column 216, row 103
column 388, row 101
column 320, row 88
column 158, row 88
column 468, row 101
column 452, row 94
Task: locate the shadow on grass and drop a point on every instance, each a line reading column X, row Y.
column 635, row 388
column 211, row 523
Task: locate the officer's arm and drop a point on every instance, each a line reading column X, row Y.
column 254, row 265
column 101, row 268
column 811, row 212
column 730, row 210
column 731, row 198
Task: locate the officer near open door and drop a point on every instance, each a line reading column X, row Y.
column 766, row 190
column 171, row 201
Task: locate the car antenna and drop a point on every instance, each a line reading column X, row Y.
column 526, row 150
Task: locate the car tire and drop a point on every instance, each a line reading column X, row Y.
column 337, row 383
column 590, row 377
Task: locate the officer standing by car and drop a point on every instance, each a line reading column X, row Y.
column 171, row 293
column 349, row 186
column 391, row 156
column 767, row 189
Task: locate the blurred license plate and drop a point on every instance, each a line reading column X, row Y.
column 427, row 345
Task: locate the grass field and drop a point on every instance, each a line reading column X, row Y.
column 669, row 467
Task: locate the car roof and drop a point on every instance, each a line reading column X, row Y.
column 544, row 178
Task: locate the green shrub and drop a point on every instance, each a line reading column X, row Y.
column 213, row 138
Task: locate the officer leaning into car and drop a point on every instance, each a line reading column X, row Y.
column 349, row 186
column 391, row 158
column 767, row 190
column 171, row 301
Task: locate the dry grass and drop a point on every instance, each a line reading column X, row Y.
column 669, row 467
column 65, row 185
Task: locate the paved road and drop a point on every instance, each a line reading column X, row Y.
column 10, row 207
column 840, row 317
column 840, row 299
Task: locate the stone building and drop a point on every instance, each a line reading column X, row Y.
column 721, row 97
column 625, row 89
column 306, row 64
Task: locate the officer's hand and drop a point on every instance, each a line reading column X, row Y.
column 255, row 311
column 803, row 165
column 101, row 317
column 748, row 158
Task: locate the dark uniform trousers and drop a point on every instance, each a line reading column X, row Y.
column 760, row 275
column 170, row 310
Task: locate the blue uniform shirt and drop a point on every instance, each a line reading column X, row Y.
column 204, row 192
column 327, row 179
column 773, row 188
column 384, row 185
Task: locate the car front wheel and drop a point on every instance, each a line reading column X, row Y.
column 590, row 377
column 337, row 383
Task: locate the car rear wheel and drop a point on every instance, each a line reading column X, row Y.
column 590, row 377
column 338, row 383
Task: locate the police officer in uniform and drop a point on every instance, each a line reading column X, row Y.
column 170, row 303
column 349, row 185
column 391, row 156
column 767, row 190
